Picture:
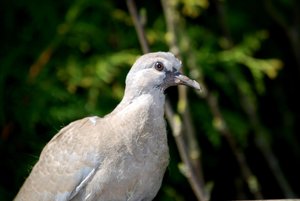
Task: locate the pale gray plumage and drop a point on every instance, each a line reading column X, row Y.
column 121, row 157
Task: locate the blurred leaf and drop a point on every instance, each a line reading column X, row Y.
column 193, row 8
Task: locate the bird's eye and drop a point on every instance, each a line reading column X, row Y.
column 159, row 66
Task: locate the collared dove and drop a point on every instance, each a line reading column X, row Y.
column 120, row 157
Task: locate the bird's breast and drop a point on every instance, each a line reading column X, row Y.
column 140, row 154
column 143, row 126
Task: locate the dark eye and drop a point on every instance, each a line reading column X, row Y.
column 159, row 66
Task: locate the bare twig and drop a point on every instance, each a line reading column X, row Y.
column 214, row 107
column 138, row 26
column 264, row 146
column 187, row 142
column 212, row 102
column 173, row 119
column 189, row 171
column 222, row 127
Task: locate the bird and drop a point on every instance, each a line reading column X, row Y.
column 122, row 156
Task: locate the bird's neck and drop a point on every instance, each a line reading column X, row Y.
column 155, row 99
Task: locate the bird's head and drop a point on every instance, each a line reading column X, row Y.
column 156, row 71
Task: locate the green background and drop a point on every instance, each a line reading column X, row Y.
column 64, row 60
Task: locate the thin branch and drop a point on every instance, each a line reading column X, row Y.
column 138, row 26
column 176, row 126
column 187, row 142
column 264, row 146
column 214, row 107
column 173, row 119
column 222, row 127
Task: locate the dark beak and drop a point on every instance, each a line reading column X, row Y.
column 182, row 79
column 174, row 78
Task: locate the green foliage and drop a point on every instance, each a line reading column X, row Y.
column 61, row 61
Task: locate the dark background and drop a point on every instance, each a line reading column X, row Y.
column 64, row 60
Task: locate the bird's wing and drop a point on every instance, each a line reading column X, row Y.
column 82, row 184
column 67, row 163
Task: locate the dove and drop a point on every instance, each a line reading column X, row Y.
column 120, row 157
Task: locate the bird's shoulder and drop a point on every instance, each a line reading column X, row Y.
column 76, row 133
column 75, row 144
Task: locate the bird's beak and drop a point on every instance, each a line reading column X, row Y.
column 174, row 78
column 182, row 79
